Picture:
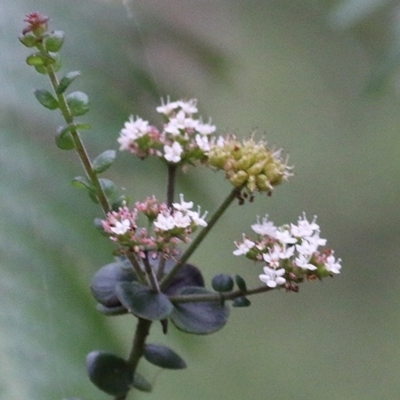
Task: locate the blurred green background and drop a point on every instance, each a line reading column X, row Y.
column 318, row 78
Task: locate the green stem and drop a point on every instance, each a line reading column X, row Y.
column 217, row 297
column 79, row 146
column 199, row 238
column 171, row 184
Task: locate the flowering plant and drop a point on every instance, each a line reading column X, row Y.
column 150, row 277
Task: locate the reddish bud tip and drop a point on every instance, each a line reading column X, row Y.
column 37, row 23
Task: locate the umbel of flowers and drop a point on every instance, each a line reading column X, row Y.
column 150, row 277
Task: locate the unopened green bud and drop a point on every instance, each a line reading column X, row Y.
column 54, row 41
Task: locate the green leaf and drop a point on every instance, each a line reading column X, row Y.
column 64, row 139
column 241, row 302
column 78, row 103
column 46, row 99
column 240, row 282
column 104, row 160
column 105, row 280
column 141, row 383
column 67, row 80
column 54, row 41
column 28, row 40
column 108, row 186
column 222, row 283
column 81, row 182
column 199, row 317
column 109, row 373
column 39, row 59
column 163, row 357
column 143, row 302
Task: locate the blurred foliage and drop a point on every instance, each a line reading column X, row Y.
column 295, row 69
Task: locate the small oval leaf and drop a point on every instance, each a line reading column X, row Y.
column 109, row 373
column 163, row 357
column 108, row 186
column 240, row 282
column 199, row 318
column 64, row 139
column 54, row 41
column 81, row 182
column 241, row 302
column 67, row 80
column 222, row 283
column 141, row 383
column 104, row 160
column 78, row 103
column 143, row 302
column 46, row 99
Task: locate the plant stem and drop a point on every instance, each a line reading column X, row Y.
column 171, row 184
column 200, row 237
column 218, row 296
column 79, row 146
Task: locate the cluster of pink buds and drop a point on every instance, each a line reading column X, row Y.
column 168, row 227
column 290, row 253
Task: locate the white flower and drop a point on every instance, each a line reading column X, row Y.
column 304, row 228
column 284, row 236
column 188, row 107
column 265, row 227
column 304, row 262
column 273, row 257
column 173, row 153
column 195, row 216
column 273, row 278
column 183, row 205
column 168, row 107
column 243, row 248
column 121, row 227
column 205, row 129
column 306, row 248
column 332, row 265
column 165, row 222
column 202, row 142
column 179, row 123
column 132, row 131
column 181, row 220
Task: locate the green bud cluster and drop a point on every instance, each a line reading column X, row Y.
column 249, row 164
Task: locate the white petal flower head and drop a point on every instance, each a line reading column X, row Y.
column 202, row 142
column 179, row 123
column 183, row 205
column 284, row 236
column 173, row 153
column 188, row 107
column 132, row 131
column 168, row 107
column 332, row 265
column 181, row 220
column 265, row 227
column 205, row 129
column 243, row 248
column 306, row 248
column 273, row 277
column 274, row 256
column 164, row 222
column 304, row 262
column 121, row 227
column 304, row 228
column 197, row 219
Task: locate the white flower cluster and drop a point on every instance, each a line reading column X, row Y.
column 290, row 252
column 183, row 136
column 181, row 217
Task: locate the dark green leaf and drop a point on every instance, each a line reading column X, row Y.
column 39, row 59
column 222, row 283
column 241, row 284
column 54, row 41
column 143, row 302
column 241, row 302
column 109, row 373
column 104, row 160
column 28, row 40
column 67, row 80
column 78, row 103
column 41, row 69
column 104, row 282
column 163, row 357
column 111, row 311
column 64, row 139
column 108, row 186
column 199, row 318
column 46, row 99
column 188, row 275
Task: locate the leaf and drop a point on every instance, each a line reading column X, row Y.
column 81, row 182
column 109, row 373
column 64, row 140
column 104, row 160
column 222, row 283
column 163, row 357
column 199, row 317
column 78, row 103
column 240, row 282
column 46, row 99
column 54, row 41
column 67, row 80
column 143, row 302
column 241, row 302
column 141, row 383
